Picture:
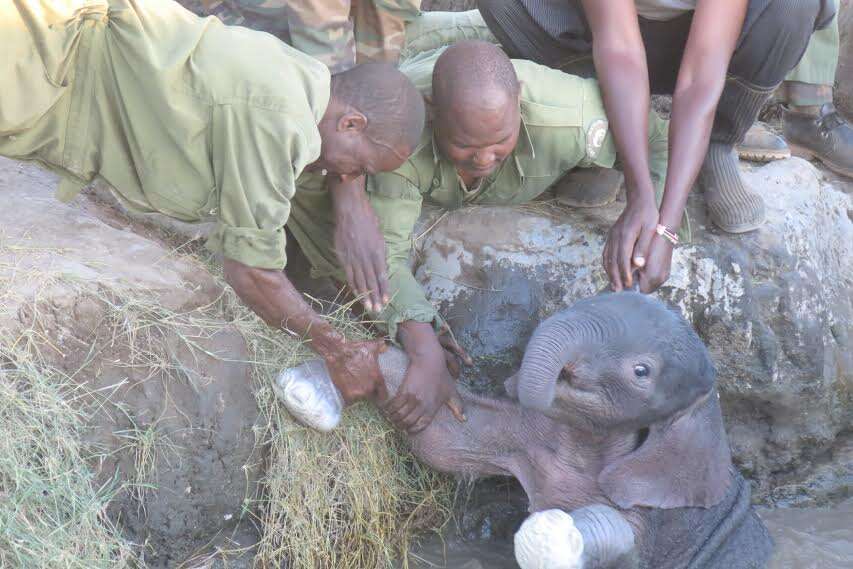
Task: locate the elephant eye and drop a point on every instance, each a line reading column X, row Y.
column 641, row 370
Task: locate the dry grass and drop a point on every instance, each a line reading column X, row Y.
column 351, row 499
column 51, row 514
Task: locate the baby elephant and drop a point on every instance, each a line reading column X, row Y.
column 616, row 435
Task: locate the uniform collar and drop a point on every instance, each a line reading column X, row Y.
column 444, row 173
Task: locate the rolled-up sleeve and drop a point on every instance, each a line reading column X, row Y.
column 257, row 154
column 397, row 204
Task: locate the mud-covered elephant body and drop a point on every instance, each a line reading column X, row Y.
column 613, row 418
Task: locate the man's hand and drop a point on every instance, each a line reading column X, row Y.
column 658, row 264
column 354, row 369
column 428, row 383
column 628, row 241
column 353, row 366
column 453, row 352
column 359, row 243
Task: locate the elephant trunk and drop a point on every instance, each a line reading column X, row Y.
column 554, row 343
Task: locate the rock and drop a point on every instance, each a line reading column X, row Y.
column 169, row 395
column 774, row 306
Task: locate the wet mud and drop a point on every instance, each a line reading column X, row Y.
column 806, row 538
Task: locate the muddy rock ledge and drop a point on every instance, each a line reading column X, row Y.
column 775, row 308
column 110, row 304
column 116, row 312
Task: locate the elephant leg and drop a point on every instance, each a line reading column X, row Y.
column 593, row 537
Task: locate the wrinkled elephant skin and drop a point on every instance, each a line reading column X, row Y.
column 617, row 422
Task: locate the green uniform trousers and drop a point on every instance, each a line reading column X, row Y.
column 816, row 68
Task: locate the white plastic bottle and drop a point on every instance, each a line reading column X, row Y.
column 310, row 396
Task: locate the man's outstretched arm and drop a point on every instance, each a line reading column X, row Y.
column 388, row 213
column 701, row 78
column 620, row 63
column 353, row 366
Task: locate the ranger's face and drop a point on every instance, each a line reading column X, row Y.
column 478, row 137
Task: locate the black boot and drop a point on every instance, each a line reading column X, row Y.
column 588, row 187
column 731, row 205
column 824, row 135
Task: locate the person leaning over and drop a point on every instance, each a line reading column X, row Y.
column 182, row 117
column 501, row 133
column 721, row 61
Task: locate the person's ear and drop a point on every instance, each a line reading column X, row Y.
column 352, row 121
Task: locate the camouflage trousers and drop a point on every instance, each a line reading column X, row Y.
column 340, row 33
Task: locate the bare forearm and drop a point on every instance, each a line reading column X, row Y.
column 343, row 192
column 690, row 130
column 272, row 296
column 621, row 72
column 701, row 78
column 419, row 340
column 620, row 62
column 359, row 242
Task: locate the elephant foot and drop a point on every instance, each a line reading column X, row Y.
column 549, row 540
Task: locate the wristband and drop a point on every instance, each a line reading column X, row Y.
column 667, row 234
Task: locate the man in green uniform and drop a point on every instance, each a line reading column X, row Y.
column 502, row 132
column 811, row 124
column 340, row 33
column 181, row 116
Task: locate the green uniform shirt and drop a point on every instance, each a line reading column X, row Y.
column 181, row 115
column 563, row 127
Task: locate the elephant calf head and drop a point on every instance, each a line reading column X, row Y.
column 624, row 362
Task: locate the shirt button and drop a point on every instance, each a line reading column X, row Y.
column 213, row 211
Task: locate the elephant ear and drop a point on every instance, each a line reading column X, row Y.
column 684, row 462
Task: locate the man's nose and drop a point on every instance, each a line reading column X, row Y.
column 484, row 158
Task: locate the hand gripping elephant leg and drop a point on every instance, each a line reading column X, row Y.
column 592, row 537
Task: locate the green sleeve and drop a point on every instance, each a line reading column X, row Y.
column 658, row 152
column 658, row 162
column 256, row 154
column 397, row 204
column 434, row 30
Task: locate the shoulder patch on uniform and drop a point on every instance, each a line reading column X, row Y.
column 595, row 135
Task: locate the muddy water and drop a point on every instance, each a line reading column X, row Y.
column 806, row 538
column 812, row 538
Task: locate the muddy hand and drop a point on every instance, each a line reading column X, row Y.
column 354, row 370
column 426, row 387
column 453, row 352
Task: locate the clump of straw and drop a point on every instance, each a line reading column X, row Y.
column 51, row 514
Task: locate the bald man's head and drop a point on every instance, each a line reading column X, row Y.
column 471, row 68
column 475, row 95
column 373, row 123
